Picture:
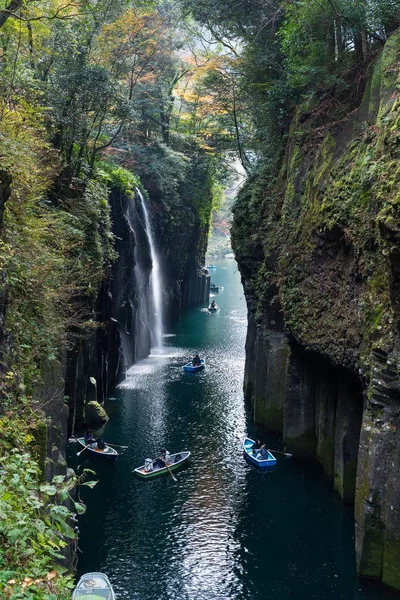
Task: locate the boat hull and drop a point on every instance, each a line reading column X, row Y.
column 190, row 368
column 94, row 586
column 262, row 464
column 108, row 452
column 213, row 308
column 176, row 462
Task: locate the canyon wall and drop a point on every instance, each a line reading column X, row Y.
column 318, row 247
column 122, row 332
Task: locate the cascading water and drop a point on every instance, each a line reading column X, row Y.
column 155, row 279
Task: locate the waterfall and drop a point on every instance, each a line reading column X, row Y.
column 155, row 279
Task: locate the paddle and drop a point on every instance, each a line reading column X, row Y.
column 116, row 445
column 170, row 472
column 287, row 454
column 79, row 453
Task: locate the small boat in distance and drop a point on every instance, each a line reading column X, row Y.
column 214, row 288
column 259, row 462
column 193, row 368
column 213, row 307
column 149, row 470
column 211, row 267
column 94, row 586
column 106, row 452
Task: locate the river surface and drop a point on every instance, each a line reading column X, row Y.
column 224, row 530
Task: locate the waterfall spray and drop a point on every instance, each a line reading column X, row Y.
column 155, row 278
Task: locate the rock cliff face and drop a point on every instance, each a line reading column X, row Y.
column 122, row 335
column 321, row 276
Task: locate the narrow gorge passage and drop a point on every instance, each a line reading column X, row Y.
column 224, row 530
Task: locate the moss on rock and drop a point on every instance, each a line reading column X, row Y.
column 95, row 414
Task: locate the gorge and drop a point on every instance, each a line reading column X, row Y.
column 120, row 129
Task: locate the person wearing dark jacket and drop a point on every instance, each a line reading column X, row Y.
column 89, row 439
column 196, row 361
column 101, row 445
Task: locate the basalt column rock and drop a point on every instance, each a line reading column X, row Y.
column 271, row 353
column 249, row 369
column 348, row 423
column 377, row 505
column 299, row 410
column 325, row 416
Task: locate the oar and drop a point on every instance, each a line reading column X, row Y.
column 79, row 453
column 116, row 445
column 170, row 472
column 287, row 454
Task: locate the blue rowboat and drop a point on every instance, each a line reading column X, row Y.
column 214, row 288
column 211, row 267
column 190, row 367
column 248, row 452
column 213, row 308
column 94, row 586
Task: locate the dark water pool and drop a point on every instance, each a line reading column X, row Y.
column 224, row 530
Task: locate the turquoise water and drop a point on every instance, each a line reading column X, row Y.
column 224, row 530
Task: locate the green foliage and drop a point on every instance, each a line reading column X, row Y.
column 35, row 523
column 116, row 176
column 164, row 167
column 53, row 256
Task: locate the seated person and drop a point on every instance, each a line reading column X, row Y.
column 89, row 439
column 262, row 453
column 196, row 361
column 161, row 460
column 256, row 446
column 100, row 443
column 213, row 305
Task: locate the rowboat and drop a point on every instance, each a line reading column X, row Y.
column 248, row 452
column 214, row 288
column 213, row 308
column 94, row 586
column 211, row 267
column 193, row 368
column 107, row 452
column 149, row 470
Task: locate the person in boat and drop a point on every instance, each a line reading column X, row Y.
column 213, row 304
column 196, row 361
column 163, row 459
column 101, row 445
column 256, row 446
column 89, row 439
column 262, row 453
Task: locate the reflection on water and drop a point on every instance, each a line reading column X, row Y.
column 224, row 530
